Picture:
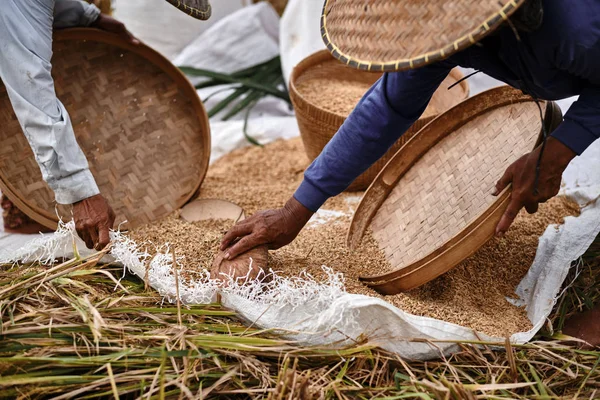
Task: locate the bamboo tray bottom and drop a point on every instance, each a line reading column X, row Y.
column 472, row 295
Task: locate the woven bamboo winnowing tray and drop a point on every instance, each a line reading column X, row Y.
column 431, row 207
column 137, row 118
column 318, row 125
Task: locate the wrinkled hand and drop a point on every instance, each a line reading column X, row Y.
column 274, row 228
column 110, row 24
column 251, row 265
column 93, row 220
column 522, row 176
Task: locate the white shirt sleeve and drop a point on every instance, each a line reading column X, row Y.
column 25, row 70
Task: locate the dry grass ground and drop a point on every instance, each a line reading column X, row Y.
column 75, row 331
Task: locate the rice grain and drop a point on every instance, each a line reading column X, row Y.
column 473, row 294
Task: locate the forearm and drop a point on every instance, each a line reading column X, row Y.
column 25, row 71
column 386, row 112
column 71, row 13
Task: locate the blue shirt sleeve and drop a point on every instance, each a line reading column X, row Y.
column 385, row 112
column 581, row 125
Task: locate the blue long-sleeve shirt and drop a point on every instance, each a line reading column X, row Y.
column 561, row 59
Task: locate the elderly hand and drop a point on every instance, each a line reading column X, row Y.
column 110, row 24
column 274, row 228
column 522, row 176
column 93, row 220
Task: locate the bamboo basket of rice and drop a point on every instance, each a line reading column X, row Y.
column 325, row 91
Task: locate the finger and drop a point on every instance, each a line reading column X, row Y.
column 506, row 180
column 237, row 231
column 509, row 216
column 93, row 233
column 218, row 260
column 85, row 236
column 103, row 237
column 125, row 34
column 245, row 244
column 80, row 233
column 111, row 218
column 130, row 38
column 532, row 208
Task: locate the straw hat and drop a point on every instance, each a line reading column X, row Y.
column 199, row 9
column 396, row 35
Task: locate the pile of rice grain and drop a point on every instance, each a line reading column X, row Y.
column 473, row 294
column 198, row 242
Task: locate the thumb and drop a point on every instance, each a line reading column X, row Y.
column 509, row 216
column 506, row 180
column 103, row 237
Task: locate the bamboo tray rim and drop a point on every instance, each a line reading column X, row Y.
column 93, row 34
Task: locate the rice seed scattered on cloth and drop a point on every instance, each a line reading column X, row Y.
column 473, row 294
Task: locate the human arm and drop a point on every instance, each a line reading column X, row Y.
column 386, row 111
column 72, row 13
column 25, row 70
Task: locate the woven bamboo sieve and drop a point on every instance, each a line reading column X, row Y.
column 317, row 125
column 431, row 206
column 137, row 118
column 396, row 35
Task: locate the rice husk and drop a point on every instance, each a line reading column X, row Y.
column 473, row 294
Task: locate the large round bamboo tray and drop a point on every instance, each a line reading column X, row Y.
column 137, row 118
column 431, row 207
column 318, row 125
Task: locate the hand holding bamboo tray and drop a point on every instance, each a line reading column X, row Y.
column 431, row 206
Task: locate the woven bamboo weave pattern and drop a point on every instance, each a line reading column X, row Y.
column 452, row 183
column 402, row 34
column 145, row 140
column 318, row 125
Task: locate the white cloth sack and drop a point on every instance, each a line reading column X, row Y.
column 165, row 28
column 300, row 33
column 245, row 38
